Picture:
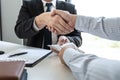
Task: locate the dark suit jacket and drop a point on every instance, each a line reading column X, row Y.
column 24, row 25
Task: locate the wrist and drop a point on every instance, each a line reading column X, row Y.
column 39, row 23
column 73, row 20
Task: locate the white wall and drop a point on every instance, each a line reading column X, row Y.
column 9, row 12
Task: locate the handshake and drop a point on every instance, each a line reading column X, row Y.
column 57, row 21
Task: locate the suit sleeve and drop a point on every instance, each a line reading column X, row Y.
column 74, row 36
column 24, row 24
column 90, row 67
column 108, row 28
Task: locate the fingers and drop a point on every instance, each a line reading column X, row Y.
column 62, row 40
column 66, row 16
column 67, row 21
column 63, row 14
column 53, row 12
column 59, row 26
column 42, row 19
column 61, row 56
column 65, row 25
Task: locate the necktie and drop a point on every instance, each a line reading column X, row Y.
column 47, row 34
column 48, row 5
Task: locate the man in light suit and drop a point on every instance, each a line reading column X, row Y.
column 33, row 19
column 88, row 66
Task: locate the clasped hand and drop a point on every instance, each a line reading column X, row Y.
column 63, row 23
column 57, row 21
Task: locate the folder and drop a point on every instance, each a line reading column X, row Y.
column 12, row 70
column 31, row 58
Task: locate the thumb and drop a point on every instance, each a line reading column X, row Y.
column 63, row 14
column 53, row 12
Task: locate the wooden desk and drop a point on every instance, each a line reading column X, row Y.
column 48, row 69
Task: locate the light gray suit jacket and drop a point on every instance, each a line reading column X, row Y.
column 108, row 28
column 91, row 67
column 88, row 66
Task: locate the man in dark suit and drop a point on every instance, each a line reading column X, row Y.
column 33, row 19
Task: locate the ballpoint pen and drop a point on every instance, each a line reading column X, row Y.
column 2, row 52
column 18, row 54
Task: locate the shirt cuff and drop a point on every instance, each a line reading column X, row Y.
column 70, row 54
column 36, row 27
column 77, row 24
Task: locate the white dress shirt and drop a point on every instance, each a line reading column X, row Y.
column 54, row 36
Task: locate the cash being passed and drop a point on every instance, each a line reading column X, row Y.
column 56, row 48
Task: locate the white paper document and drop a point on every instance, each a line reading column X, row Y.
column 31, row 57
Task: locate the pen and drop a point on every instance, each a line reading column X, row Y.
column 2, row 52
column 18, row 54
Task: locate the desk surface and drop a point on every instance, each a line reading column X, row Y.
column 51, row 68
column 48, row 69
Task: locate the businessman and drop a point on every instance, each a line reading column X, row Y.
column 88, row 66
column 33, row 18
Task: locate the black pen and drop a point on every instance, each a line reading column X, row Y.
column 18, row 54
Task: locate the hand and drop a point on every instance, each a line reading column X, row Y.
column 67, row 17
column 43, row 19
column 52, row 22
column 62, row 40
column 59, row 25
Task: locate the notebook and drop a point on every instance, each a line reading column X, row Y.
column 12, row 70
column 33, row 56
